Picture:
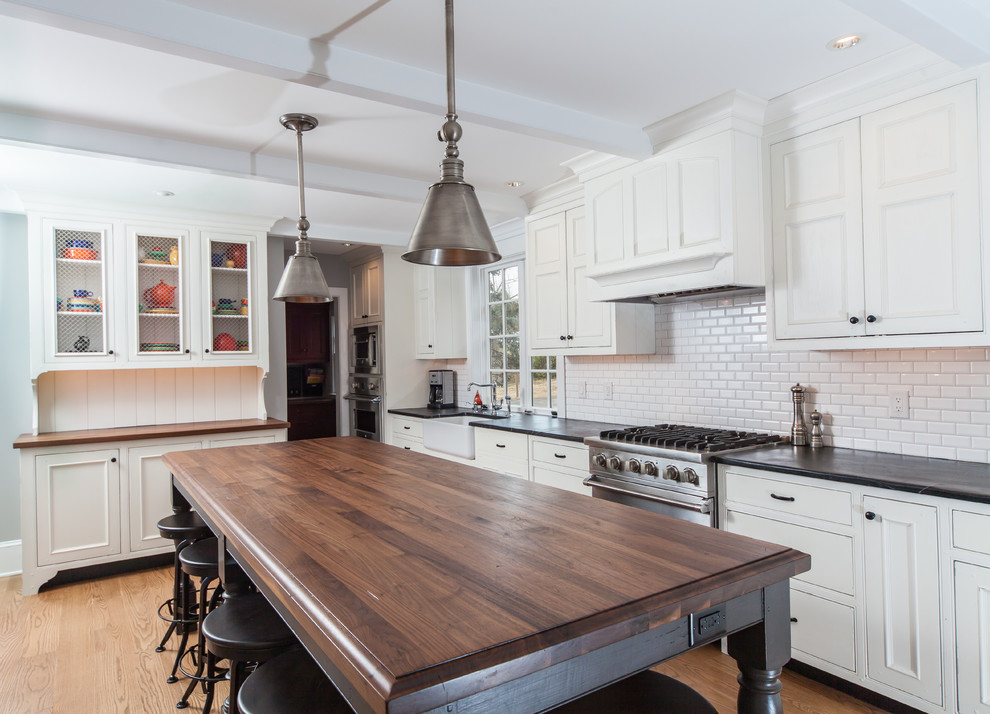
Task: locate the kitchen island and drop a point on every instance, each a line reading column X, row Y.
column 422, row 585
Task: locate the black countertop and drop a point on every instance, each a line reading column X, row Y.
column 964, row 480
column 535, row 424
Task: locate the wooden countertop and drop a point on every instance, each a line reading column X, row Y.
column 413, row 571
column 154, row 431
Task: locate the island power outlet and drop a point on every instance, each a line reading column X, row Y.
column 898, row 401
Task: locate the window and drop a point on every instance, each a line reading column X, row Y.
column 528, row 381
column 503, row 329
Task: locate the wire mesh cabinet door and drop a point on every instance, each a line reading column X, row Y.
column 159, row 263
column 230, row 298
column 79, row 306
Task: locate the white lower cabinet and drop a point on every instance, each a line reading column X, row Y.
column 972, row 585
column 502, row 451
column 559, row 463
column 78, row 507
column 96, row 503
column 898, row 596
column 903, row 620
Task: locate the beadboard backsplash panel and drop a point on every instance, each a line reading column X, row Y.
column 713, row 368
column 99, row 399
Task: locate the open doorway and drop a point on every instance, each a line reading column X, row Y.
column 311, row 369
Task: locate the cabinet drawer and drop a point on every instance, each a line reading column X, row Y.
column 969, row 531
column 503, row 465
column 407, row 426
column 823, row 629
column 560, row 453
column 831, row 554
column 501, row 444
column 567, row 479
column 408, row 444
column 826, row 504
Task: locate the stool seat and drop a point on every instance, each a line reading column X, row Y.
column 201, row 559
column 188, row 525
column 292, row 683
column 246, row 628
column 644, row 693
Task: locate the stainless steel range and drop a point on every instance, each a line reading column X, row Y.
column 666, row 468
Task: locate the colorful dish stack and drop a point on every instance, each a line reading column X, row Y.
column 83, row 304
column 77, row 249
column 159, row 346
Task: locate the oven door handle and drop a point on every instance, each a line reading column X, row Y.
column 352, row 398
column 703, row 507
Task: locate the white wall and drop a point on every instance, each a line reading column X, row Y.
column 15, row 393
column 713, row 368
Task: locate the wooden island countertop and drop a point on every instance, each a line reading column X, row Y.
column 417, row 582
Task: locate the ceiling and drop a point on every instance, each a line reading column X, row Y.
column 117, row 100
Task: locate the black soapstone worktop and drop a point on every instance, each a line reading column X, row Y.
column 963, row 480
column 535, row 424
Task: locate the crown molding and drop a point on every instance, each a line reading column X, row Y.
column 732, row 110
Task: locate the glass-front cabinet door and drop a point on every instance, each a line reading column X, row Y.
column 78, row 291
column 160, row 260
column 230, row 323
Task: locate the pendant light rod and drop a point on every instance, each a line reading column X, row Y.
column 300, row 123
column 451, row 110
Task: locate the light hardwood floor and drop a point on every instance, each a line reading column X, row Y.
column 88, row 648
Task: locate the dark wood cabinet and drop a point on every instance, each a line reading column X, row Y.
column 307, row 332
column 312, row 418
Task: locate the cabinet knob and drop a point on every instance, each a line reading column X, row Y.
column 870, row 515
column 562, row 338
column 187, row 351
column 570, row 337
column 853, row 320
column 109, row 352
column 113, row 459
column 430, row 347
column 794, row 620
column 871, row 318
column 364, row 317
column 206, row 351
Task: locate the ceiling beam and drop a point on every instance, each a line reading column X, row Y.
column 192, row 33
column 958, row 30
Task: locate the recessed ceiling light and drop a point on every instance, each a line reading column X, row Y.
column 164, row 194
column 844, row 43
column 513, row 184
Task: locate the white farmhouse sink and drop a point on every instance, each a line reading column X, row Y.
column 450, row 435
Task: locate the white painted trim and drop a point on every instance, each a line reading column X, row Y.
column 10, row 558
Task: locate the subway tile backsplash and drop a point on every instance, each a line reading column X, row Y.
column 713, row 368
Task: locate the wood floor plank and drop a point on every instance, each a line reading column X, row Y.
column 88, row 648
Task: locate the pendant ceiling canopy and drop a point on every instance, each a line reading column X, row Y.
column 302, row 280
column 451, row 229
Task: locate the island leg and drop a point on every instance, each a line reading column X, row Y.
column 761, row 651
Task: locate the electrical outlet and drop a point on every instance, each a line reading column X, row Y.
column 582, row 388
column 608, row 390
column 898, row 401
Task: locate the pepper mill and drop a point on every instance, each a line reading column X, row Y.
column 799, row 432
column 817, row 438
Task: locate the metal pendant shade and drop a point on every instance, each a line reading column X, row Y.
column 302, row 280
column 451, row 229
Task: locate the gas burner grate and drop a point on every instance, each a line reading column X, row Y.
column 689, row 438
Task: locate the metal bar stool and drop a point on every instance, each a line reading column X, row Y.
column 183, row 528
column 648, row 692
column 292, row 683
column 243, row 630
column 201, row 560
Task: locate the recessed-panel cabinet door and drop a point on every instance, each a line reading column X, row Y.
column 903, row 619
column 817, row 234
column 546, row 275
column 150, row 492
column 590, row 322
column 424, row 315
column 78, row 505
column 973, row 637
column 921, row 215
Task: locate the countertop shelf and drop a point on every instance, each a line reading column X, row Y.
column 153, row 431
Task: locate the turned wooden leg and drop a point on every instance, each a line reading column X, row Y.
column 761, row 651
column 759, row 691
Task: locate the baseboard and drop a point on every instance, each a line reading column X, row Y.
column 854, row 690
column 10, row 558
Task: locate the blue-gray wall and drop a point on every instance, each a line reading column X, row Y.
column 15, row 380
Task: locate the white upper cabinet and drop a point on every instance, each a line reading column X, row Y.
column 876, row 227
column 686, row 219
column 367, row 292
column 130, row 292
column 561, row 315
column 440, row 313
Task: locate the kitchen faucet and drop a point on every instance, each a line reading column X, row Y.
column 495, row 407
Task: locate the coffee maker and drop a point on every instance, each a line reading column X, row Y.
column 441, row 389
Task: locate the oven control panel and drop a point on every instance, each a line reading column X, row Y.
column 643, row 469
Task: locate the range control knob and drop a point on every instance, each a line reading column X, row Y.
column 600, row 460
column 615, row 463
column 633, row 465
column 650, row 468
column 671, row 473
column 690, row 476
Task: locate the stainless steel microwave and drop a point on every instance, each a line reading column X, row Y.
column 366, row 355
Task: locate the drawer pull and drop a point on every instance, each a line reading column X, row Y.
column 407, row 428
column 501, row 446
column 560, row 456
column 794, row 620
column 407, row 448
column 870, row 515
column 781, row 498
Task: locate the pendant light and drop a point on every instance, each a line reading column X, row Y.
column 451, row 229
column 302, row 280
